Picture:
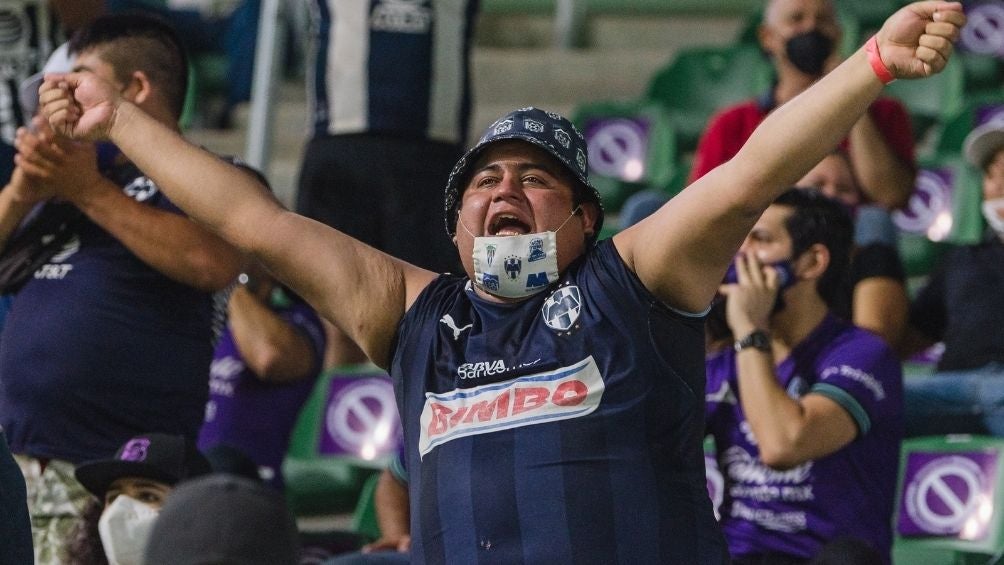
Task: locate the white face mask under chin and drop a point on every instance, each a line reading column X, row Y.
column 993, row 211
column 516, row 266
column 124, row 527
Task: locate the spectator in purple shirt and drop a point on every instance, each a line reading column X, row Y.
column 805, row 409
column 264, row 368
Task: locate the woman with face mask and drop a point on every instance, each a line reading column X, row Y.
column 129, row 491
column 961, row 306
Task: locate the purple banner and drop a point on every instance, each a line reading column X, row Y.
column 929, row 211
column 360, row 418
column 948, row 494
column 618, row 147
column 984, row 30
column 989, row 113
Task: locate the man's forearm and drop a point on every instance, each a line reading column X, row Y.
column 883, row 176
column 773, row 416
column 271, row 347
column 170, row 243
column 14, row 207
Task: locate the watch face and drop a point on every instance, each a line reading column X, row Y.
column 758, row 340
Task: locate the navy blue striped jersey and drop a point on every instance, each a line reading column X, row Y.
column 566, row 428
column 392, row 66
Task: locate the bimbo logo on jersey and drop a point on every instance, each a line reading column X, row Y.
column 569, row 392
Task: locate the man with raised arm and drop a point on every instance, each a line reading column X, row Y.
column 552, row 398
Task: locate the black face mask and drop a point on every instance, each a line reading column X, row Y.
column 808, row 51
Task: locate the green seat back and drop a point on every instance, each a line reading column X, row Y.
column 322, row 478
column 931, row 100
column 631, row 146
column 869, row 14
column 919, row 254
column 951, row 134
column 983, row 72
column 703, row 80
column 950, row 501
column 364, row 519
column 945, row 208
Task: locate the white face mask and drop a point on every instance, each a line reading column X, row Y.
column 993, row 211
column 516, row 266
column 125, row 527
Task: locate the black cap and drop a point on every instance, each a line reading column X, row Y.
column 223, row 518
column 161, row 457
column 547, row 130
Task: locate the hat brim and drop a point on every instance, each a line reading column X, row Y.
column 983, row 142
column 97, row 476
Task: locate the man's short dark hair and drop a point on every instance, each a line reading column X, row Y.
column 131, row 42
column 818, row 219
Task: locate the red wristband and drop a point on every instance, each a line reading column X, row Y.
column 875, row 60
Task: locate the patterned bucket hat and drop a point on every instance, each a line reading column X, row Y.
column 547, row 130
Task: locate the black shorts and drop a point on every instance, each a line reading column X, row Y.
column 384, row 191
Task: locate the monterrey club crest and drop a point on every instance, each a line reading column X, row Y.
column 513, row 266
column 561, row 309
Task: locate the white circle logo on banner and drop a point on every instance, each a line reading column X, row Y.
column 984, row 30
column 363, row 418
column 929, row 200
column 617, row 149
column 945, row 494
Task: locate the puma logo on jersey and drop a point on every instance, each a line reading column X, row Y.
column 448, row 321
column 561, row 394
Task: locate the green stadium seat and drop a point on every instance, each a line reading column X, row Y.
column 869, row 14
column 933, row 100
column 952, row 132
column 631, row 146
column 919, row 254
column 364, row 519
column 950, row 501
column 320, row 477
column 983, row 73
column 702, row 80
column 945, row 208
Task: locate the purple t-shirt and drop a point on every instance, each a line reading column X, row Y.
column 849, row 493
column 252, row 415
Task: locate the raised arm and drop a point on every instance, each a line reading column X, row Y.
column 885, row 177
column 681, row 252
column 363, row 291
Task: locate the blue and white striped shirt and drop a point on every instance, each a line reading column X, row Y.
column 392, row 66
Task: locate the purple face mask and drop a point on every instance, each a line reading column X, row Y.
column 785, row 274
